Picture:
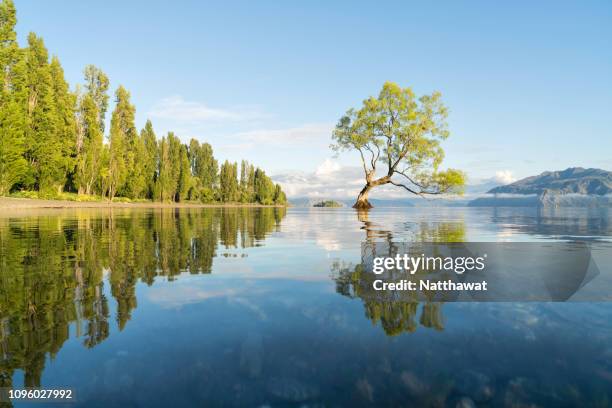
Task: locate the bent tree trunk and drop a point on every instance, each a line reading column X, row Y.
column 362, row 202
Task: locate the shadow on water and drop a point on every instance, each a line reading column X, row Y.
column 396, row 312
column 53, row 270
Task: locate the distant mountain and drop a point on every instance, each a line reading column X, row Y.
column 481, row 188
column 574, row 180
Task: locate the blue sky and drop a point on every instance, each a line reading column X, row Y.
column 528, row 83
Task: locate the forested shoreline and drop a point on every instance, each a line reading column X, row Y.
column 53, row 139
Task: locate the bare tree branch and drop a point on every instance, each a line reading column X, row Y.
column 406, row 187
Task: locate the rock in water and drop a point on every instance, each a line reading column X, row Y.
column 292, row 390
column 251, row 355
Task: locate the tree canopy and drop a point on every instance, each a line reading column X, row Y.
column 52, row 139
column 397, row 136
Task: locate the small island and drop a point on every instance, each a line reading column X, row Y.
column 328, row 204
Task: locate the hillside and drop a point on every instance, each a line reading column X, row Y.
column 574, row 180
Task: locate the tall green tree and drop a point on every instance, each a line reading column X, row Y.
column 96, row 83
column 122, row 133
column 43, row 145
column 228, row 182
column 204, row 166
column 264, row 188
column 247, row 182
column 185, row 181
column 403, row 132
column 89, row 145
column 91, row 109
column 150, row 159
column 64, row 115
column 167, row 185
column 279, row 195
column 12, row 101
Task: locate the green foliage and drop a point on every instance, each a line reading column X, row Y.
column 328, row 204
column 403, row 132
column 121, row 144
column 13, row 165
column 52, row 139
column 54, row 271
column 264, row 188
column 150, row 158
column 43, row 145
column 65, row 120
column 96, row 83
column 90, row 131
column 279, row 195
column 228, row 182
column 185, row 182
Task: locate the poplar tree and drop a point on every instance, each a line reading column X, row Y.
column 96, row 83
column 247, row 187
column 203, row 164
column 43, row 148
column 169, row 168
column 228, row 182
column 150, row 158
column 122, row 132
column 92, row 105
column 185, row 182
column 65, row 124
column 264, row 188
column 12, row 114
column 279, row 195
column 52, row 139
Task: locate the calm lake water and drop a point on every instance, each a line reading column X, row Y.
column 257, row 307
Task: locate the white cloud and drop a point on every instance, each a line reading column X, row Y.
column 504, row 177
column 176, row 108
column 301, row 135
column 327, row 168
column 331, row 180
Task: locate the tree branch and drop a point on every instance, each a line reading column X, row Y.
column 405, row 187
column 365, row 170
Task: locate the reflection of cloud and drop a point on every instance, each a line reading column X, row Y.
column 261, row 315
column 329, row 244
column 177, row 294
column 177, row 109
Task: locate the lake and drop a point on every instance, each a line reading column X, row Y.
column 258, row 307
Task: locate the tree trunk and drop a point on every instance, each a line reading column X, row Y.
column 362, row 202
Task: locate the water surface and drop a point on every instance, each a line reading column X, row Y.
column 256, row 307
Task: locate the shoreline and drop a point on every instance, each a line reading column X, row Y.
column 11, row 203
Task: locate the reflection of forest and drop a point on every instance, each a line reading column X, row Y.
column 395, row 311
column 52, row 269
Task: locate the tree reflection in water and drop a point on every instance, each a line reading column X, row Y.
column 395, row 311
column 52, row 270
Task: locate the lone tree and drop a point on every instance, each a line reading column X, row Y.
column 404, row 133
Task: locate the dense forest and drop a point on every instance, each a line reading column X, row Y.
column 53, row 139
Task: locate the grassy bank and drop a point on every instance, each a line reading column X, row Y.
column 71, row 200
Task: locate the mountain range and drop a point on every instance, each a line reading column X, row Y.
column 574, row 180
